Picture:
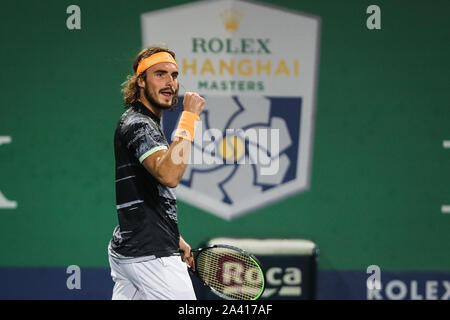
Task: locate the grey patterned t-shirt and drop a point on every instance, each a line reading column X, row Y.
column 147, row 209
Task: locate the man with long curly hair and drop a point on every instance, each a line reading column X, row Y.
column 144, row 252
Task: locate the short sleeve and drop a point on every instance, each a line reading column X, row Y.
column 143, row 139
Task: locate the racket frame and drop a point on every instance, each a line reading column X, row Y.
column 245, row 253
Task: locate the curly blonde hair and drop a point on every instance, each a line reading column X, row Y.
column 130, row 90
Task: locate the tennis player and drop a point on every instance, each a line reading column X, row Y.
column 144, row 250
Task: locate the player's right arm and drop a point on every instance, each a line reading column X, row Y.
column 168, row 166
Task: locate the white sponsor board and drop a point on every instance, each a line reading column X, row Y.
column 256, row 66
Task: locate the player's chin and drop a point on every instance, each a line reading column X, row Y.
column 166, row 101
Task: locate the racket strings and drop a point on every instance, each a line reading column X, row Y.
column 230, row 272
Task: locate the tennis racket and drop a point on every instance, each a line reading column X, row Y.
column 230, row 272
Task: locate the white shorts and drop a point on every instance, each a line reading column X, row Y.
column 165, row 278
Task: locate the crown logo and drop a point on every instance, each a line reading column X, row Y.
column 231, row 19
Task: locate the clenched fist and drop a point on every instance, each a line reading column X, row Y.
column 193, row 103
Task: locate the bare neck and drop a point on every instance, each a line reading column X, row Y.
column 156, row 111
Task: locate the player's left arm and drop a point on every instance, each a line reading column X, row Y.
column 168, row 166
column 186, row 254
